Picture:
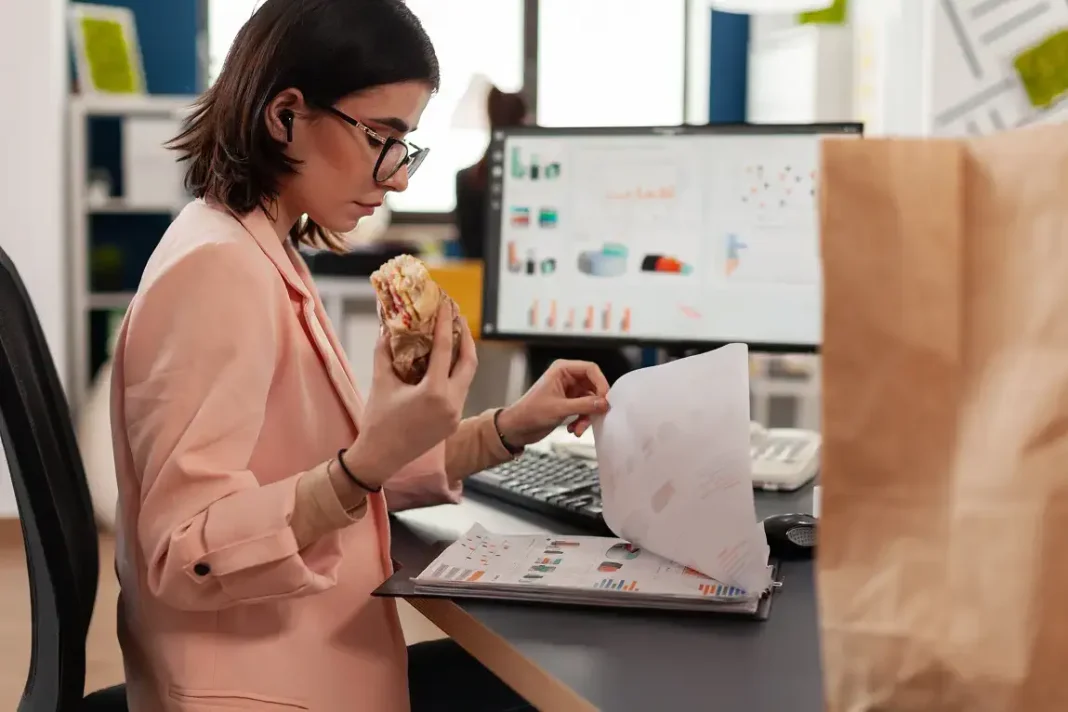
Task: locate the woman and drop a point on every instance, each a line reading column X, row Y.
column 254, row 479
column 504, row 110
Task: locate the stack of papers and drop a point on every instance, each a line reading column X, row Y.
column 674, row 460
column 599, row 571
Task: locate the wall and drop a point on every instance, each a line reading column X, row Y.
column 32, row 38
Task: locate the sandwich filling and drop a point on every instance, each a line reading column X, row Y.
column 400, row 285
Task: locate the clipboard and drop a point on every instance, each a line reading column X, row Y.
column 401, row 585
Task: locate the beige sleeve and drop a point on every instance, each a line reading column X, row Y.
column 319, row 507
column 474, row 447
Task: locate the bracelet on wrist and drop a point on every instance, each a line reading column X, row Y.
column 356, row 480
column 512, row 449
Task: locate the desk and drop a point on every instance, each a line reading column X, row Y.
column 572, row 659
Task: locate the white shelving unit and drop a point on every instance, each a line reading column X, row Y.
column 81, row 207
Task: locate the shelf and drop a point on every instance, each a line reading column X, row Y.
column 131, row 105
column 117, row 206
column 109, row 300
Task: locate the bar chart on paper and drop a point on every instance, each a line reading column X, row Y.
column 617, row 585
column 720, row 591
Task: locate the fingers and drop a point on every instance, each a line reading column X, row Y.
column 591, row 372
column 578, row 426
column 383, row 354
column 441, row 352
column 583, row 407
column 467, row 363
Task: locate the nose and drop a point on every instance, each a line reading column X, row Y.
column 399, row 181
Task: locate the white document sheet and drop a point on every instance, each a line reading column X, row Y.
column 673, row 454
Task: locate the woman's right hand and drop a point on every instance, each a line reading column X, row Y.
column 401, row 422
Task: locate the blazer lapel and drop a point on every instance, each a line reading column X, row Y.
column 292, row 268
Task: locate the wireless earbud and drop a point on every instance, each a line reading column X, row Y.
column 286, row 117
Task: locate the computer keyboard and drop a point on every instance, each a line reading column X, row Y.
column 568, row 489
column 565, row 489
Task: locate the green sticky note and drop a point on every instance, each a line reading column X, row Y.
column 833, row 15
column 1043, row 69
column 108, row 52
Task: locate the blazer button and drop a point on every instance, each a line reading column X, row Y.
column 201, row 569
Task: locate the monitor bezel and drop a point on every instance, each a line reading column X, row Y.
column 494, row 215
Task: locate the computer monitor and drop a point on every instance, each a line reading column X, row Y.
column 682, row 236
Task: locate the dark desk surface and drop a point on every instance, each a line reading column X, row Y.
column 621, row 661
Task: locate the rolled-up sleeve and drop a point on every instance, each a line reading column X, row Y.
column 474, row 447
column 423, row 483
column 437, row 477
column 199, row 360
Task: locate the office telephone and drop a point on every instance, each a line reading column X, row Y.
column 784, row 459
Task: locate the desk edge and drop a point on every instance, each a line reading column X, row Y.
column 539, row 687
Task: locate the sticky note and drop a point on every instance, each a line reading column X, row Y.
column 1043, row 69
column 834, row 15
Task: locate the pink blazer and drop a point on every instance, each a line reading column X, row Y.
column 229, row 386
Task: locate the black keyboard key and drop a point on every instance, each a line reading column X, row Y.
column 565, row 489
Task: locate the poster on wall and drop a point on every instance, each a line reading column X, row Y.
column 997, row 66
column 107, row 56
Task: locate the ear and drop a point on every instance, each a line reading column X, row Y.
column 288, row 100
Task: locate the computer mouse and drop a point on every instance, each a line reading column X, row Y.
column 791, row 536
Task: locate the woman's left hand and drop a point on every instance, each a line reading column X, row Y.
column 568, row 389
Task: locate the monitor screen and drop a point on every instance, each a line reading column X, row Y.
column 683, row 235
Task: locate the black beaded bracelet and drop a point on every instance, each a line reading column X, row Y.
column 512, row 449
column 354, row 478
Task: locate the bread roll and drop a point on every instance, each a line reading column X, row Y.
column 408, row 302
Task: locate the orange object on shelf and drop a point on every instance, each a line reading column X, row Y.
column 462, row 280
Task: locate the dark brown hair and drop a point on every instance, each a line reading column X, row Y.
column 504, row 110
column 327, row 49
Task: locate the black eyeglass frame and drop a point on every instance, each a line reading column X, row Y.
column 413, row 155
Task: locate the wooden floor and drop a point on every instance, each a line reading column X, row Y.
column 103, row 659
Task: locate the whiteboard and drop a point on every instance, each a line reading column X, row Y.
column 974, row 88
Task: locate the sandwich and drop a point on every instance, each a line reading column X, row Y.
column 408, row 302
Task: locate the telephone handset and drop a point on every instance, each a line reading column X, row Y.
column 784, row 459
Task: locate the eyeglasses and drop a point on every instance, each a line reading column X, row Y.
column 396, row 152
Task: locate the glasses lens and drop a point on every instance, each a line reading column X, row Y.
column 417, row 160
column 394, row 156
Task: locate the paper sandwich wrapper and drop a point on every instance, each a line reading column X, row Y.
column 943, row 540
column 411, row 347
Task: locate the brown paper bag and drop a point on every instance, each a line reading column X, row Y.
column 943, row 545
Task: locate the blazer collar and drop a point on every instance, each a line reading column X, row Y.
column 291, row 266
column 257, row 225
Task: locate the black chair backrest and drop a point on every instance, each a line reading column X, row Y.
column 55, row 507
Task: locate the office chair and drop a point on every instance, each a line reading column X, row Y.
column 55, row 510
